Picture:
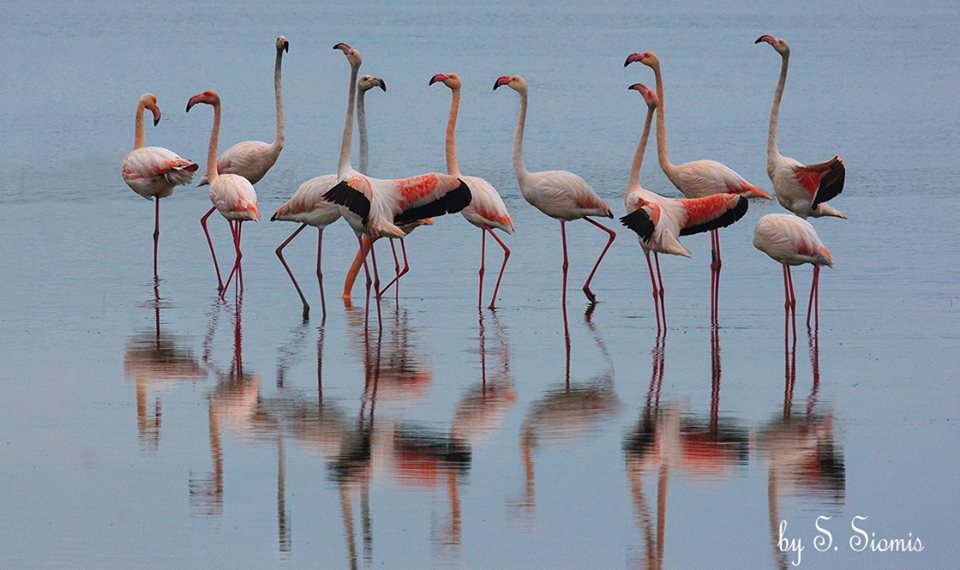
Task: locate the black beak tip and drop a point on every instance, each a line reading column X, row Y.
column 156, row 122
column 383, row 85
column 760, row 39
column 188, row 107
column 626, row 62
column 286, row 47
column 496, row 84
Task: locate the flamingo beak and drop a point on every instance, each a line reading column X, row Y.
column 438, row 77
column 286, row 47
column 193, row 101
column 502, row 80
column 637, row 87
column 156, row 115
column 344, row 47
column 633, row 57
column 382, row 84
column 766, row 38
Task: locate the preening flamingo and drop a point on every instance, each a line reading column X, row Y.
column 486, row 210
column 232, row 195
column 793, row 241
column 559, row 194
column 698, row 178
column 658, row 220
column 153, row 171
column 250, row 159
column 802, row 189
column 379, row 207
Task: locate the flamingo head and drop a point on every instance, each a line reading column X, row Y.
column 149, row 101
column 779, row 44
column 451, row 80
column 353, row 55
column 647, row 58
column 649, row 96
column 515, row 82
column 209, row 97
column 368, row 82
column 283, row 44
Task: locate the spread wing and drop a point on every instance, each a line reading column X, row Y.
column 354, row 193
column 717, row 218
column 429, row 195
column 640, row 222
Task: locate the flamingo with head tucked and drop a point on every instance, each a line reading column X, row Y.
column 486, row 210
column 793, row 241
column 802, row 189
column 380, row 207
column 659, row 220
column 232, row 195
column 559, row 194
column 153, row 171
column 698, row 178
column 250, row 159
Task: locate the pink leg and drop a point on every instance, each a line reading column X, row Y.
column 156, row 238
column 786, row 305
column 793, row 304
column 653, row 283
column 203, row 224
column 396, row 267
column 279, row 252
column 236, row 263
column 483, row 254
column 663, row 308
column 506, row 256
column 566, row 263
column 814, row 292
column 323, row 301
column 376, row 273
column 713, row 283
column 401, row 272
column 239, row 265
column 586, row 286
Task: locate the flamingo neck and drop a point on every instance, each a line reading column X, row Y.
column 362, row 128
column 212, row 173
column 278, row 140
column 772, row 151
column 344, row 166
column 453, row 168
column 661, row 128
column 138, row 134
column 518, row 166
column 634, row 180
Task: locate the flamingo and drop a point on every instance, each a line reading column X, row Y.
column 658, row 220
column 153, row 171
column 793, row 241
column 698, row 178
column 232, row 195
column 486, row 210
column 559, row 194
column 802, row 189
column 380, row 207
column 250, row 159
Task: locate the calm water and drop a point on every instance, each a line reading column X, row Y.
column 202, row 433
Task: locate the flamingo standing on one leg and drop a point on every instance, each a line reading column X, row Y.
column 153, row 171
column 698, row 178
column 659, row 220
column 232, row 195
column 250, row 159
column 793, row 241
column 486, row 210
column 557, row 193
column 802, row 189
column 378, row 207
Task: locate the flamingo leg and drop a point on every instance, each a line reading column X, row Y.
column 156, row 237
column 323, row 301
column 506, row 256
column 566, row 263
column 663, row 307
column 793, row 304
column 586, row 286
column 203, row 224
column 376, row 273
column 279, row 252
column 401, row 272
column 239, row 264
column 786, row 304
column 235, row 230
column 653, row 283
column 814, row 299
column 483, row 254
column 396, row 266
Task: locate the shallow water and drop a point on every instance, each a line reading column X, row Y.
column 197, row 432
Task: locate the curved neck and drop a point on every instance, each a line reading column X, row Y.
column 138, row 135
column 278, row 140
column 344, row 165
column 362, row 128
column 661, row 128
column 518, row 165
column 634, row 180
column 775, row 110
column 452, row 167
column 212, row 173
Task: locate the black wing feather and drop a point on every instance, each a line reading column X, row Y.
column 346, row 195
column 640, row 222
column 450, row 203
column 831, row 184
column 721, row 221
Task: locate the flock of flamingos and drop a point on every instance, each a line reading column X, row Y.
column 715, row 196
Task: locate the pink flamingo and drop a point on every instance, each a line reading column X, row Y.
column 379, row 207
column 486, row 210
column 153, row 171
column 250, row 159
column 793, row 241
column 802, row 189
column 698, row 178
column 232, row 195
column 559, row 194
column 659, row 220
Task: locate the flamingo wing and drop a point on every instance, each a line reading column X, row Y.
column 354, row 193
column 429, row 195
column 827, row 176
column 640, row 221
column 713, row 212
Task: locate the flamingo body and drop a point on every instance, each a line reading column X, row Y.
column 250, row 159
column 562, row 195
column 154, row 171
column 234, row 197
column 701, row 178
column 486, row 207
column 790, row 240
column 307, row 205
